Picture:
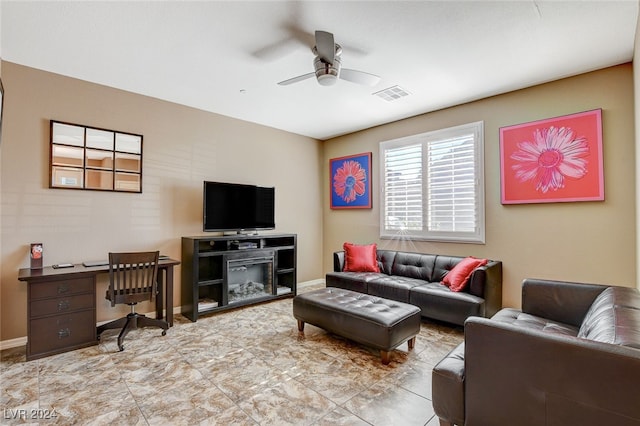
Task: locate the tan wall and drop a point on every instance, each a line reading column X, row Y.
column 182, row 147
column 588, row 241
column 1, row 263
column 636, row 93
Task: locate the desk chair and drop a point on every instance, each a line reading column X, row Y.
column 132, row 279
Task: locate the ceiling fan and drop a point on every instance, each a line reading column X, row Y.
column 327, row 64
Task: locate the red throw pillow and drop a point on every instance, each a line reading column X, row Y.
column 360, row 258
column 458, row 277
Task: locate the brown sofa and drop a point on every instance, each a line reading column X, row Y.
column 415, row 278
column 571, row 356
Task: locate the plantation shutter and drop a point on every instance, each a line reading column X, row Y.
column 403, row 188
column 432, row 185
column 451, row 199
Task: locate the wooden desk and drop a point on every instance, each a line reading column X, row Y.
column 61, row 306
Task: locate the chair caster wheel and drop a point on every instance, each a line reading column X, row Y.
column 164, row 332
column 121, row 348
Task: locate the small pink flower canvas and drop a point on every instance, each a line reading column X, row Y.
column 351, row 181
column 553, row 160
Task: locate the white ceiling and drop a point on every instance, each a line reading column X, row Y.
column 226, row 57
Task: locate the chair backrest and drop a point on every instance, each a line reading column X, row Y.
column 132, row 277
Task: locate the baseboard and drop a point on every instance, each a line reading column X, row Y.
column 22, row 341
column 310, row 283
column 13, row 343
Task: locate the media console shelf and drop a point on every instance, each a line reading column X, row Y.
column 225, row 272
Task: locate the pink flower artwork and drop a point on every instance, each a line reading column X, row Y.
column 552, row 154
column 350, row 181
column 553, row 160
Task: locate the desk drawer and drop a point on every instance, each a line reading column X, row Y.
column 61, row 288
column 62, row 331
column 62, row 305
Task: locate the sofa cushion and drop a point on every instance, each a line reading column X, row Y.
column 385, row 260
column 443, row 265
column 437, row 301
column 414, row 265
column 521, row 319
column 614, row 317
column 354, row 281
column 360, row 258
column 458, row 277
column 393, row 287
column 619, row 296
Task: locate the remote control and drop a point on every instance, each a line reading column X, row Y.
column 63, row 265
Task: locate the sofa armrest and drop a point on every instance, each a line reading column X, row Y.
column 338, row 261
column 545, row 378
column 489, row 279
column 561, row 301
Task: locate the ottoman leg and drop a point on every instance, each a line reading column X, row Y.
column 385, row 355
column 301, row 326
column 412, row 342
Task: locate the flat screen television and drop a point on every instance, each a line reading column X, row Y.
column 238, row 207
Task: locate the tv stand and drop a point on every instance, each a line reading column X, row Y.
column 229, row 271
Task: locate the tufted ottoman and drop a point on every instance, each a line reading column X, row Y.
column 373, row 321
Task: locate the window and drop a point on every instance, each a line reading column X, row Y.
column 433, row 185
column 89, row 158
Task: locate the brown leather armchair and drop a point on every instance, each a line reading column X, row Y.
column 571, row 356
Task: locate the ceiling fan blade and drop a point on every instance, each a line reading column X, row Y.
column 296, row 37
column 303, row 37
column 326, row 46
column 359, row 77
column 275, row 51
column 297, row 79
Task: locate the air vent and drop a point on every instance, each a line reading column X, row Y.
column 392, row 93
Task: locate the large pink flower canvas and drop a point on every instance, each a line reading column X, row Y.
column 553, row 160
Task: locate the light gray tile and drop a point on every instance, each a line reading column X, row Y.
column 247, row 366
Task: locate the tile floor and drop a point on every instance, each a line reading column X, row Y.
column 248, row 366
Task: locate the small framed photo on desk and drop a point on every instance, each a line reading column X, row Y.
column 36, row 254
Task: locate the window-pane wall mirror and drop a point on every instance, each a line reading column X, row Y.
column 90, row 158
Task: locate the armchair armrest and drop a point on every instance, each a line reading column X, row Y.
column 561, row 301
column 543, row 378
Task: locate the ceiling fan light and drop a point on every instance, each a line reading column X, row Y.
column 327, row 79
column 326, row 73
